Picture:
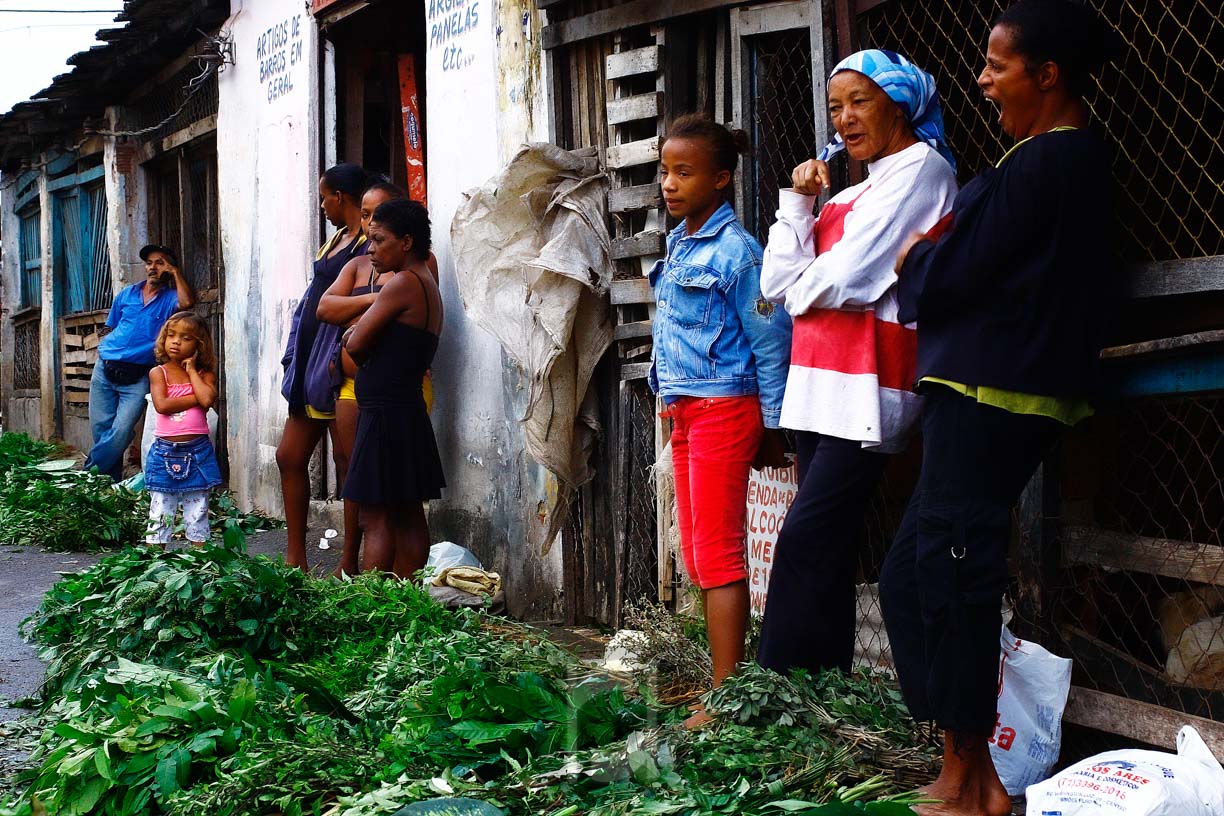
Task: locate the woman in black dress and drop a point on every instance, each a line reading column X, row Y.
column 395, row 464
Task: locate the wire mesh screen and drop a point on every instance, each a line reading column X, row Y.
column 184, row 99
column 884, row 514
column 25, row 352
column 641, row 560
column 782, row 119
column 1144, row 556
column 1156, row 104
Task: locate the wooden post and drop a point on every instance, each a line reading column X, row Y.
column 1039, row 560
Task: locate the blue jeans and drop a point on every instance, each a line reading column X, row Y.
column 114, row 411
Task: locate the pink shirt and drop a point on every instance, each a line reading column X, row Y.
column 192, row 421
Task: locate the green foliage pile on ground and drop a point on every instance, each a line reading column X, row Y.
column 19, row 450
column 206, row 681
column 45, row 502
column 51, row 505
column 48, row 503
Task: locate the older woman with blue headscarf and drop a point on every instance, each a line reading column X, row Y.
column 849, row 391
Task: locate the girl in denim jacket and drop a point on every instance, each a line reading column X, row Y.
column 721, row 353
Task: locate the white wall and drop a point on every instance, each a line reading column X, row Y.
column 484, row 98
column 483, row 102
column 267, row 147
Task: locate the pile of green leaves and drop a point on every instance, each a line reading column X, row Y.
column 749, row 762
column 166, row 608
column 225, row 513
column 207, row 681
column 19, row 450
column 135, row 735
column 49, row 504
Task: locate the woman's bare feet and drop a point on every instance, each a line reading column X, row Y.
column 968, row 784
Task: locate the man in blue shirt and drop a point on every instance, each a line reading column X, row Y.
column 125, row 355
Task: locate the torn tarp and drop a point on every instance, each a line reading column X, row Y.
column 532, row 257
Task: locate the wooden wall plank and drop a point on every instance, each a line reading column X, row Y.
column 1141, row 721
column 644, row 243
column 626, row 15
column 631, row 290
column 1182, row 560
column 633, row 108
column 643, row 151
column 1166, row 344
column 632, row 331
column 635, row 371
column 638, row 197
column 1198, row 372
column 633, row 62
column 1177, row 277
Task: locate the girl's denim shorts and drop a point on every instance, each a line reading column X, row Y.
column 181, row 467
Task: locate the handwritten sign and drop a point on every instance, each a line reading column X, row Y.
column 770, row 493
column 451, row 23
column 279, row 50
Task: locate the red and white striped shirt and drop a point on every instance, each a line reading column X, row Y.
column 852, row 364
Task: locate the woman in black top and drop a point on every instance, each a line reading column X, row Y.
column 1009, row 303
column 395, row 465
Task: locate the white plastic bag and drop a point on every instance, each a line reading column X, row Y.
column 449, row 554
column 1033, row 688
column 1137, row 783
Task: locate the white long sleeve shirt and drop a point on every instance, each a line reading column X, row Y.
column 852, row 363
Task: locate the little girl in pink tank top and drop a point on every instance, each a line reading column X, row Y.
column 181, row 468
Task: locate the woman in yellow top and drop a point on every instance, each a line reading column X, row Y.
column 343, row 304
column 1010, row 303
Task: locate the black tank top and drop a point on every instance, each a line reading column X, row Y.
column 397, row 364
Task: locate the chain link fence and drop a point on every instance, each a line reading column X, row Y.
column 641, row 558
column 782, row 120
column 1142, row 595
column 1155, row 103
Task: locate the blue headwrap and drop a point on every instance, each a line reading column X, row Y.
column 906, row 84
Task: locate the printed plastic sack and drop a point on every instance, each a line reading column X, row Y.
column 1033, row 688
column 1137, row 783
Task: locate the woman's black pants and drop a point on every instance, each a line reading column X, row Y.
column 810, row 609
column 944, row 577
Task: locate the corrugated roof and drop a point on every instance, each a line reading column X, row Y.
column 157, row 33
